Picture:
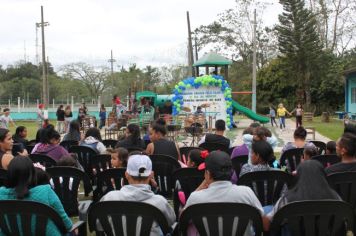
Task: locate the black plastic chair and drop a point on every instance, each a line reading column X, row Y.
column 187, row 180
column 43, row 160
column 116, row 216
column 214, row 147
column 86, row 158
column 291, row 159
column 226, row 213
column 29, row 148
column 108, row 180
column 231, row 150
column 16, row 215
column 3, row 177
column 101, row 162
column 267, row 185
column 109, row 143
column 310, row 218
column 327, row 160
column 238, row 162
column 344, row 184
column 184, row 151
column 164, row 167
column 67, row 144
column 65, row 181
column 32, row 142
column 321, row 146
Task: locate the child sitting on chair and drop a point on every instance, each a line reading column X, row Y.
column 119, row 157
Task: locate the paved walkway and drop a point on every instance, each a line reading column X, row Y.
column 284, row 136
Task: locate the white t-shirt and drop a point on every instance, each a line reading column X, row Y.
column 5, row 120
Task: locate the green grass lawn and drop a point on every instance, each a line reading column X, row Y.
column 333, row 129
column 31, row 127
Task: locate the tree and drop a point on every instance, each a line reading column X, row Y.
column 231, row 34
column 299, row 45
column 94, row 79
column 335, row 23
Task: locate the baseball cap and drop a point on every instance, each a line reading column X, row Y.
column 139, row 166
column 218, row 163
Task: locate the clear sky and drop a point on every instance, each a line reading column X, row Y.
column 148, row 32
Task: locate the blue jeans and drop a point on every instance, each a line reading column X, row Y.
column 282, row 122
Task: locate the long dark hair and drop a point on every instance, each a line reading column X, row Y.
column 135, row 134
column 3, row 133
column 311, row 184
column 21, row 175
column 19, row 130
column 74, row 131
column 74, row 126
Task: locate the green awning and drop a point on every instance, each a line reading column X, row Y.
column 146, row 94
column 212, row 59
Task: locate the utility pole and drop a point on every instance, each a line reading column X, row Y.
column 190, row 48
column 37, row 56
column 24, row 52
column 196, row 55
column 47, row 83
column 254, row 64
column 44, row 64
column 111, row 61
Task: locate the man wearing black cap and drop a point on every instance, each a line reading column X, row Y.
column 217, row 186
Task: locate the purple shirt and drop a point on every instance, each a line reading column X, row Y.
column 240, row 151
column 54, row 151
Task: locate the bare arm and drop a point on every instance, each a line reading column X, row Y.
column 179, row 157
column 150, row 149
column 6, row 159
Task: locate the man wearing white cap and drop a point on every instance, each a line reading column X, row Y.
column 139, row 173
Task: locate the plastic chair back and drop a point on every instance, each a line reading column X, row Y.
column 43, row 160
column 327, row 160
column 267, row 185
column 214, row 147
column 101, row 162
column 238, row 162
column 321, row 146
column 164, row 167
column 65, row 182
column 121, row 217
column 67, row 144
column 220, row 219
column 187, row 180
column 86, row 158
column 28, row 218
column 109, row 143
column 108, row 180
column 291, row 158
column 313, row 218
column 344, row 184
column 3, row 177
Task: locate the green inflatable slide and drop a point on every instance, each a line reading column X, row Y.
column 249, row 113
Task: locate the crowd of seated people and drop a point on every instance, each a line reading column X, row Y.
column 27, row 182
